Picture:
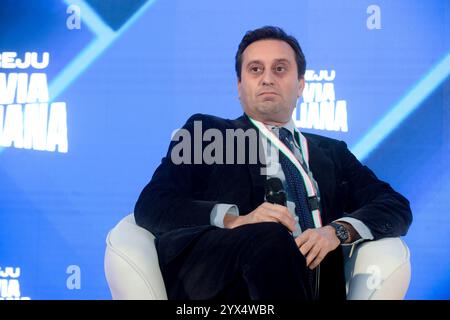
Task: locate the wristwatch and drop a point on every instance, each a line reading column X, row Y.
column 341, row 232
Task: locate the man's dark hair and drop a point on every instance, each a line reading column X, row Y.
column 270, row 32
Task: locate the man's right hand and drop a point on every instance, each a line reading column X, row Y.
column 266, row 212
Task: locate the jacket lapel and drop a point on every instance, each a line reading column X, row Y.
column 323, row 170
column 258, row 180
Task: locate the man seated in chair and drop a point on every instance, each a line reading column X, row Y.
column 264, row 219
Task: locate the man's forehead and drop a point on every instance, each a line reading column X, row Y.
column 262, row 61
column 268, row 51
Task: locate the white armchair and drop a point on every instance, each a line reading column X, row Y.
column 376, row 269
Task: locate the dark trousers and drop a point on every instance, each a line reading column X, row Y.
column 254, row 261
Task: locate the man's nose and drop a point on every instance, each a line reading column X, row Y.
column 267, row 78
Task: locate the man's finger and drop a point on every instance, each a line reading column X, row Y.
column 312, row 254
column 266, row 214
column 306, row 247
column 318, row 259
column 277, row 207
column 302, row 239
column 288, row 221
column 283, row 218
column 283, row 210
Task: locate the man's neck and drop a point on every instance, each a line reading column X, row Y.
column 276, row 124
column 270, row 122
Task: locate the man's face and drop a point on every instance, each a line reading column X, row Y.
column 269, row 85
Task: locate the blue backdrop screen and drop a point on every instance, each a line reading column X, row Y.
column 91, row 91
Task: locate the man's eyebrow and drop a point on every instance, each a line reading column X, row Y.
column 283, row 60
column 254, row 61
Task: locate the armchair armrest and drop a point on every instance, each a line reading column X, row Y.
column 131, row 263
column 378, row 270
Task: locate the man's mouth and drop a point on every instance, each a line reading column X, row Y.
column 267, row 93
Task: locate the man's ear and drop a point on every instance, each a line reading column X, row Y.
column 301, row 86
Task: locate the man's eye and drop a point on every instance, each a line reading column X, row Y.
column 255, row 69
column 280, row 69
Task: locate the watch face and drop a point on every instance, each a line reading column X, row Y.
column 341, row 232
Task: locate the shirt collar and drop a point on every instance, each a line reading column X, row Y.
column 292, row 129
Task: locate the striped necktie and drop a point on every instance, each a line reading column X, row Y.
column 297, row 190
column 295, row 183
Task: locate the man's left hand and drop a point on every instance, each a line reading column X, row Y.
column 315, row 244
